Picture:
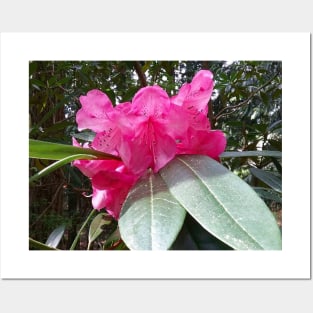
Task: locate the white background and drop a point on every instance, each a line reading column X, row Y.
column 293, row 260
column 221, row 295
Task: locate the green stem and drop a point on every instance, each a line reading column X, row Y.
column 81, row 229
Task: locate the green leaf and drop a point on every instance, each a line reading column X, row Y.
column 268, row 194
column 96, row 226
column 55, row 151
column 194, row 237
column 86, row 135
column 36, row 245
column 222, row 203
column 54, row 166
column 77, row 237
column 239, row 154
column 114, row 237
column 38, row 83
column 264, row 97
column 268, row 178
column 150, row 218
column 55, row 237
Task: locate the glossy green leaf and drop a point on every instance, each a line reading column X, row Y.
column 96, row 226
column 55, row 151
column 54, row 166
column 55, row 237
column 151, row 218
column 239, row 154
column 268, row 178
column 222, row 203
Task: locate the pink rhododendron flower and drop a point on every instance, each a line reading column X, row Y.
column 194, row 96
column 193, row 99
column 153, row 141
column 146, row 133
column 111, row 182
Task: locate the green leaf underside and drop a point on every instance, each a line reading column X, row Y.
column 55, row 237
column 268, row 178
column 239, row 154
column 55, row 151
column 151, row 218
column 96, row 226
column 222, row 203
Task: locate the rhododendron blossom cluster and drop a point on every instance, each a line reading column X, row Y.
column 146, row 133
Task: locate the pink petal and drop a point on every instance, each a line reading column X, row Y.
column 91, row 167
column 136, row 155
column 152, row 147
column 95, row 111
column 182, row 94
column 112, row 180
column 203, row 80
column 176, row 122
column 211, row 143
column 194, row 97
column 110, row 199
column 107, row 141
column 96, row 103
column 99, row 199
column 163, row 147
column 151, row 101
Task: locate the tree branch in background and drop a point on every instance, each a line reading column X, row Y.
column 141, row 75
column 237, row 106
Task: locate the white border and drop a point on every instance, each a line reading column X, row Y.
column 293, row 262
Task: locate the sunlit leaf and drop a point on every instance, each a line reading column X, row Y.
column 54, row 166
column 55, row 151
column 151, row 218
column 222, row 203
column 239, row 154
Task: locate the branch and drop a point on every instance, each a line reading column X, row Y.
column 234, row 107
column 140, row 74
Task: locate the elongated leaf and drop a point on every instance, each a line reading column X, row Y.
column 222, row 203
column 55, row 237
column 54, row 166
column 268, row 178
column 239, row 154
column 36, row 245
column 96, row 226
column 151, row 218
column 268, row 194
column 55, row 151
